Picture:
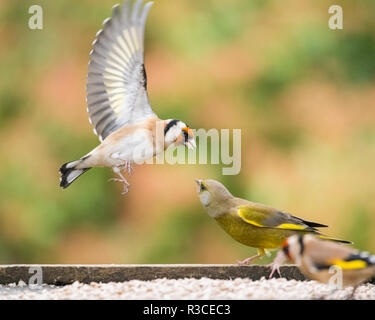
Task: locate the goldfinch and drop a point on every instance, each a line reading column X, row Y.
column 117, row 100
column 315, row 257
column 252, row 224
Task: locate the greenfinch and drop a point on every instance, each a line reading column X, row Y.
column 321, row 259
column 252, row 224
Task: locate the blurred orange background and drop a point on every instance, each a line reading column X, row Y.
column 303, row 95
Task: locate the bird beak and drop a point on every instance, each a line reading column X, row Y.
column 189, row 131
column 190, row 142
column 199, row 185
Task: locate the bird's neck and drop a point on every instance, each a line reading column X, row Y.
column 219, row 207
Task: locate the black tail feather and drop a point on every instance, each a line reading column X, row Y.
column 314, row 224
column 324, row 237
column 66, row 172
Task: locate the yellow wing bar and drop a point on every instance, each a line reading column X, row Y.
column 354, row 264
column 286, row 226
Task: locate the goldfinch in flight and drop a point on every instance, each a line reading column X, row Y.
column 117, row 100
column 315, row 257
column 252, row 224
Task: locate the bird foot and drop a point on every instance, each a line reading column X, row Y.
column 127, row 166
column 277, row 262
column 275, row 267
column 247, row 261
column 121, row 179
column 124, row 182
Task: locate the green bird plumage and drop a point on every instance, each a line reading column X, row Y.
column 252, row 224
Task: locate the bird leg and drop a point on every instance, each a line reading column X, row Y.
column 325, row 296
column 274, row 267
column 351, row 296
column 122, row 179
column 127, row 166
column 261, row 253
column 277, row 262
column 248, row 260
column 130, row 169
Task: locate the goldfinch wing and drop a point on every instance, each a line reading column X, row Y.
column 116, row 80
column 267, row 217
column 324, row 254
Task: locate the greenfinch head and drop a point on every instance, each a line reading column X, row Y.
column 213, row 196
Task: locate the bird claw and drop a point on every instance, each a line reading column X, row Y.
column 127, row 166
column 247, row 261
column 130, row 170
column 121, row 179
column 277, row 262
column 274, row 267
column 124, row 182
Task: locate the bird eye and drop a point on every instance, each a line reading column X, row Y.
column 186, row 135
column 203, row 187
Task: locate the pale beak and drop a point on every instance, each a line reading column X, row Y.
column 191, row 144
column 199, row 185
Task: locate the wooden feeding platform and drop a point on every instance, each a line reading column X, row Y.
column 58, row 274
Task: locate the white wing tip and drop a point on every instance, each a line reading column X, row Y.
column 148, row 4
column 105, row 21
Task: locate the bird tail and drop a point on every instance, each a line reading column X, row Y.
column 324, row 237
column 70, row 171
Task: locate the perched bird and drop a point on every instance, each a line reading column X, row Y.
column 315, row 258
column 252, row 224
column 117, row 100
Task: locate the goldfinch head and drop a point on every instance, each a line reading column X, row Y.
column 294, row 247
column 212, row 193
column 178, row 133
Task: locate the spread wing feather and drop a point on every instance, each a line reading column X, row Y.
column 116, row 80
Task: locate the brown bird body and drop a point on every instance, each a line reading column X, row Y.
column 118, row 146
column 316, row 258
column 117, row 100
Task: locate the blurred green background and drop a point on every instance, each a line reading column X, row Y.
column 303, row 95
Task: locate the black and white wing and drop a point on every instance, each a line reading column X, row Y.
column 116, row 80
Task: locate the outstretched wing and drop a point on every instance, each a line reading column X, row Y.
column 116, row 81
column 266, row 217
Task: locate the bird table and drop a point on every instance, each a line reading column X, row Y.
column 55, row 274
